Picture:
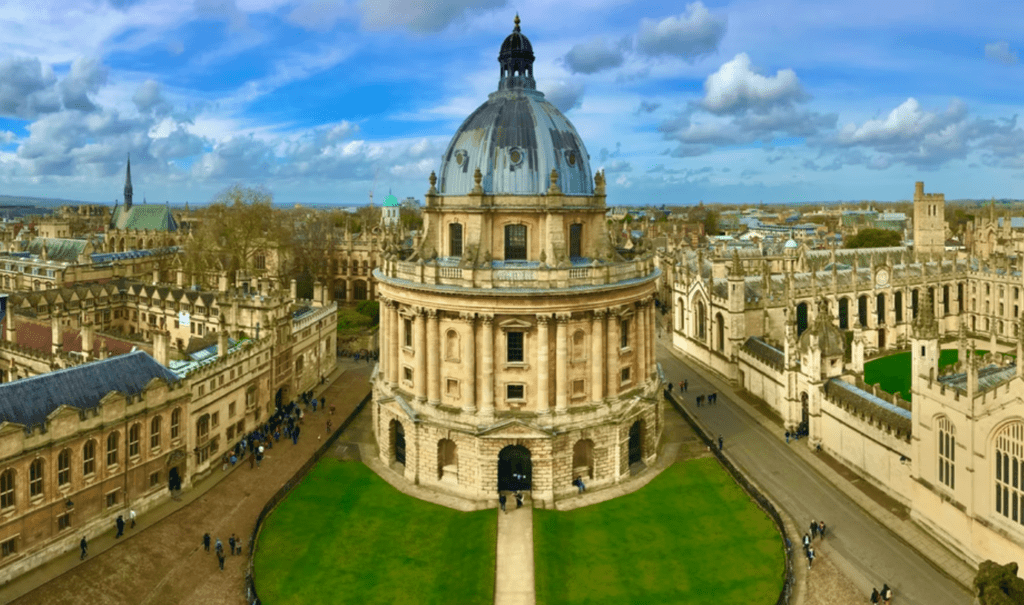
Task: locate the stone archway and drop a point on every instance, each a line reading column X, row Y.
column 397, row 442
column 636, row 442
column 515, row 469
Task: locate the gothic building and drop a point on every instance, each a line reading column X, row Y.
column 795, row 329
column 517, row 344
column 140, row 227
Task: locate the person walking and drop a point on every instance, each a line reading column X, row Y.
column 206, row 541
column 231, row 543
column 875, row 597
column 821, row 529
column 810, row 556
column 220, row 559
column 238, row 544
column 519, row 499
column 686, row 385
column 84, row 546
column 787, row 437
column 131, row 517
column 501, row 502
column 807, row 542
column 719, row 443
column 120, row 526
column 814, row 529
column 886, row 594
column 219, row 547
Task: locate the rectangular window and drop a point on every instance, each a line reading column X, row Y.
column 215, row 419
column 407, row 324
column 133, row 440
column 515, row 242
column 625, row 375
column 515, row 391
column 625, row 333
column 154, row 479
column 89, row 458
column 515, row 347
column 231, row 410
column 64, row 522
column 64, row 468
column 112, row 499
column 575, row 241
column 455, row 239
column 408, row 374
column 453, row 388
column 175, row 423
column 9, row 547
column 578, row 387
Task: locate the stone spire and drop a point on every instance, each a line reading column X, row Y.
column 128, row 185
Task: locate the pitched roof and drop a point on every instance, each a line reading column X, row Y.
column 30, row 400
column 153, row 217
column 59, row 249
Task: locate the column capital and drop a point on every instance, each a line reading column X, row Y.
column 486, row 318
column 563, row 318
column 544, row 318
column 614, row 311
column 600, row 313
column 467, row 317
column 433, row 313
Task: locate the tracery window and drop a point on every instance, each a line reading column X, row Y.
column 947, row 453
column 1009, row 468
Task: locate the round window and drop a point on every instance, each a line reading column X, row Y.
column 459, row 157
column 572, row 159
column 515, row 156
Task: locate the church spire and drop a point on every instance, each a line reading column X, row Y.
column 128, row 185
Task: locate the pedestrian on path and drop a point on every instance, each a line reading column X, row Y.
column 578, row 482
column 670, row 388
column 875, row 597
column 219, row 548
column 220, row 559
column 131, row 517
column 814, row 529
column 886, row 594
column 519, row 499
column 719, row 443
column 206, row 541
column 328, row 427
column 231, row 543
column 787, row 437
column 120, row 526
column 84, row 546
column 807, row 542
column 810, row 556
column 501, row 502
column 686, row 385
column 821, row 529
column 238, row 544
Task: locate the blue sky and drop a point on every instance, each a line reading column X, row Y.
column 320, row 101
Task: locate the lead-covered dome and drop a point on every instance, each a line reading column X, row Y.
column 516, row 138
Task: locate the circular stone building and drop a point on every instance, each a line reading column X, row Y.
column 517, row 344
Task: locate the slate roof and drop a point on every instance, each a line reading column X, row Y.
column 30, row 400
column 765, row 352
column 140, row 217
column 861, row 401
column 59, row 249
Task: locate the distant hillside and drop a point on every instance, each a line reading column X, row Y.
column 38, row 202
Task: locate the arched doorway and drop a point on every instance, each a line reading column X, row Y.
column 281, row 398
column 398, row 442
column 805, row 415
column 636, row 442
column 515, row 470
column 801, row 318
column 174, row 479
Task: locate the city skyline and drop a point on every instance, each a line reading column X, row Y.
column 721, row 102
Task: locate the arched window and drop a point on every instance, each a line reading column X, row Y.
column 880, row 309
column 844, row 314
column 945, row 300
column 801, row 318
column 154, row 432
column 35, row 478
column 64, row 467
column 960, row 296
column 947, row 453
column 455, row 240
column 134, row 433
column 203, row 427
column 1009, row 458
column 575, row 241
column 451, row 345
column 862, row 311
column 897, row 305
column 175, row 423
column 721, row 332
column 680, row 326
column 700, row 328
column 113, row 440
column 515, row 242
column 7, row 488
column 913, row 304
column 89, row 457
column 579, row 339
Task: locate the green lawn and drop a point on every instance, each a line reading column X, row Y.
column 345, row 536
column 690, row 536
column 892, row 373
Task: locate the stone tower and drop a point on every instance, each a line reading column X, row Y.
column 929, row 221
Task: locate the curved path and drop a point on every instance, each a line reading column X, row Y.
column 865, row 550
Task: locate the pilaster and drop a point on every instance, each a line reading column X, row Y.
column 561, row 363
column 597, row 356
column 433, row 352
column 487, row 367
column 420, row 340
column 543, row 368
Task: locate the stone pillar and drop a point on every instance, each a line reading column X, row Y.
column 12, row 334
column 487, row 367
column 349, row 287
column 613, row 353
column 419, row 329
column 57, row 332
column 88, row 340
column 641, row 341
column 393, row 347
column 433, row 357
column 561, row 363
column 597, row 356
column 382, row 339
column 652, row 339
column 543, row 368
column 469, row 363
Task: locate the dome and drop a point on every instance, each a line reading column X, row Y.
column 791, row 244
column 516, row 138
column 829, row 338
column 391, row 202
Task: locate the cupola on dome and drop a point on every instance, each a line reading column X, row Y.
column 516, row 137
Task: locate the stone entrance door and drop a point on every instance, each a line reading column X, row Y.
column 399, row 442
column 636, row 443
column 881, row 338
column 515, row 470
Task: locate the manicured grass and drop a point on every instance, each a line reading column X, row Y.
column 892, row 373
column 690, row 536
column 345, row 536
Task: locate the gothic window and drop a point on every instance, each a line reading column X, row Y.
column 844, row 314
column 721, row 332
column 945, row 300
column 947, row 453
column 515, row 347
column 960, row 296
column 515, row 242
column 880, row 309
column 1009, row 444
column 801, row 318
column 575, row 241
column 913, row 304
column 64, row 467
column 862, row 311
column 35, row 478
column 701, row 327
column 203, row 428
column 7, row 488
column 89, row 458
column 455, row 240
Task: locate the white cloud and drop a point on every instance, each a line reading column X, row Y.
column 1000, row 53
column 594, row 56
column 689, row 35
column 26, row 88
column 6, row 136
column 420, row 16
column 564, row 94
column 318, row 15
column 736, row 87
column 149, row 98
column 223, row 10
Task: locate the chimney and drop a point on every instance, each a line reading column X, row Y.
column 88, row 338
column 161, row 347
column 103, row 350
column 56, row 334
column 222, row 338
column 11, row 328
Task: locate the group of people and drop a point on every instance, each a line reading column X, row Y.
column 817, row 529
column 798, row 432
column 712, row 399
column 883, row 597
column 502, row 500
column 234, row 541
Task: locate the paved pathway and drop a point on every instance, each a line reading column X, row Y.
column 162, row 560
column 514, row 583
column 864, row 549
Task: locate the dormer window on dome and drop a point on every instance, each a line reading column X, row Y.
column 516, row 60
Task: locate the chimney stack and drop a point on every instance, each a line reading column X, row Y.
column 88, row 338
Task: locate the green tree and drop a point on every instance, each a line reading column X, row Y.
column 369, row 308
column 711, row 223
column 874, row 238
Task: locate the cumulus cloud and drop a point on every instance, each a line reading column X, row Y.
column 1000, row 53
column 689, row 35
column 26, row 88
column 604, row 154
column 594, row 56
column 619, row 166
column 149, row 98
column 87, row 75
column 565, row 94
column 736, row 87
column 419, row 16
column 6, row 136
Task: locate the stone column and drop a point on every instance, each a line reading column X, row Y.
column 561, row 363
column 57, row 331
column 597, row 356
column 383, row 346
column 393, row 346
column 433, row 357
column 641, row 340
column 469, row 363
column 652, row 338
column 12, row 329
column 613, row 353
column 420, row 342
column 543, row 369
column 487, row 367
column 349, row 287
